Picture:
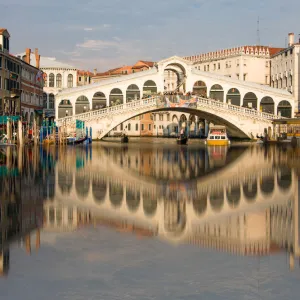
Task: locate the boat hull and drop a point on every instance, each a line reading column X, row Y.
column 217, row 142
column 182, row 141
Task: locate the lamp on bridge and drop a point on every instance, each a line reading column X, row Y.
column 67, row 113
column 84, row 109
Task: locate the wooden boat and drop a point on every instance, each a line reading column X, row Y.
column 73, row 141
column 182, row 140
column 217, row 136
column 124, row 139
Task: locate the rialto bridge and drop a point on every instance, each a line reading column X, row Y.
column 245, row 108
column 226, row 206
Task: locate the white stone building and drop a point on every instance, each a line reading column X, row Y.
column 285, row 67
column 246, row 63
column 57, row 76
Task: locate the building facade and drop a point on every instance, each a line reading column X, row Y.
column 84, row 77
column 285, row 68
column 32, row 89
column 56, row 77
column 10, row 78
column 246, row 63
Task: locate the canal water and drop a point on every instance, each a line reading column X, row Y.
column 150, row 220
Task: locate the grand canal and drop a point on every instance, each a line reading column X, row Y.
column 150, row 220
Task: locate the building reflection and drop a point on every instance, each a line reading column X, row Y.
column 215, row 199
column 22, row 192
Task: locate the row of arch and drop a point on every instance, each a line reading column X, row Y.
column 250, row 99
column 233, row 96
column 99, row 100
column 133, row 199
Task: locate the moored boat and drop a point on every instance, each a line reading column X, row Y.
column 217, row 136
column 74, row 141
column 124, row 139
column 182, row 140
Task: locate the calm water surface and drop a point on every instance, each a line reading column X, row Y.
column 150, row 220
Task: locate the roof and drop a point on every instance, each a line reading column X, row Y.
column 3, row 30
column 47, row 62
column 82, row 72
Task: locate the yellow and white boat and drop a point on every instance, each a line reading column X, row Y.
column 217, row 136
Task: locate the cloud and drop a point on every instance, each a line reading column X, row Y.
column 95, row 45
column 88, row 29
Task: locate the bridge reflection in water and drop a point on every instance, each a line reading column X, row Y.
column 240, row 200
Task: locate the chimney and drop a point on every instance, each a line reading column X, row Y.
column 95, row 71
column 28, row 53
column 37, row 58
column 291, row 39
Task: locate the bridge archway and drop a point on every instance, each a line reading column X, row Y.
column 115, row 97
column 250, row 100
column 65, row 182
column 65, row 108
column 200, row 89
column 174, row 77
column 233, row 195
column 250, row 190
column 233, row 97
column 82, row 105
column 132, row 93
column 149, row 204
column 217, row 92
column 267, row 105
column 216, row 200
column 284, row 177
column 200, row 204
column 99, row 190
column 82, row 186
column 132, row 200
column 267, row 185
column 284, row 109
column 98, row 101
column 115, row 194
column 149, row 88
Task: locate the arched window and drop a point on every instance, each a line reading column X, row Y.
column 51, row 80
column 70, row 81
column 58, row 80
column 44, row 100
column 51, row 101
column 45, row 79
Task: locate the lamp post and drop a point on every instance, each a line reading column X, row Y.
column 84, row 109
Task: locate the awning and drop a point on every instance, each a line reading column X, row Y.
column 39, row 111
column 4, row 119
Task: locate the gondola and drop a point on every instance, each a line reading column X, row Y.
column 182, row 140
column 124, row 139
column 72, row 141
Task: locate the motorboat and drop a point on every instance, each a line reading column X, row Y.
column 182, row 140
column 217, row 136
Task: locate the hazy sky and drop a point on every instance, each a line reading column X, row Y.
column 106, row 34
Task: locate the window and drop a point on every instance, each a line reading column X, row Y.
column 214, row 67
column 51, row 80
column 245, row 76
column 142, row 127
column 44, row 100
column 0, row 62
column 0, row 82
column 136, row 127
column 70, row 81
column 149, row 127
column 58, row 80
column 129, row 127
column 51, row 101
column 161, row 117
column 266, row 79
column 168, row 118
column 219, row 66
column 205, row 68
column 79, row 78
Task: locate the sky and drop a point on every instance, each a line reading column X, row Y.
column 107, row 34
column 99, row 263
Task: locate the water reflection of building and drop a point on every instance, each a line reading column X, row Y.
column 22, row 195
column 186, row 197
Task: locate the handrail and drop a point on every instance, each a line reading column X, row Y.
column 157, row 101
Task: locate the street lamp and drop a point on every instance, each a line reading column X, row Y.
column 67, row 113
column 84, row 109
